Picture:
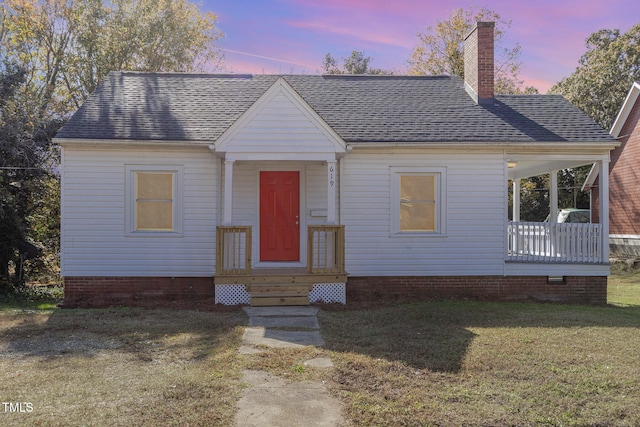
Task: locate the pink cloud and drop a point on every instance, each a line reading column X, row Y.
column 363, row 33
column 543, row 85
column 372, row 22
column 297, row 33
column 246, row 62
column 399, row 8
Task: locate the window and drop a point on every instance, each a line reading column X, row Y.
column 417, row 200
column 154, row 201
column 153, row 205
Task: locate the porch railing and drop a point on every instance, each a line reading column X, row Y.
column 233, row 250
column 325, row 253
column 325, row 250
column 554, row 242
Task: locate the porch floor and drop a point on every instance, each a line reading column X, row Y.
column 280, row 275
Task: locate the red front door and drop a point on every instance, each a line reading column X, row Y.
column 279, row 216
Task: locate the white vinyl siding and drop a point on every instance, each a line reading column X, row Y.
column 475, row 197
column 95, row 240
column 280, row 127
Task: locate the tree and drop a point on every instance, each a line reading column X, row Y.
column 440, row 50
column 607, row 70
column 534, row 194
column 600, row 83
column 25, row 173
column 67, row 48
column 357, row 63
column 534, row 198
column 53, row 54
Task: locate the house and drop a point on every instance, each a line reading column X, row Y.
column 624, row 175
column 291, row 189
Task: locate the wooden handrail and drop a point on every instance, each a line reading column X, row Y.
column 325, row 249
column 233, row 250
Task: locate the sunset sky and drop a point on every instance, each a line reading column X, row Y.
column 293, row 36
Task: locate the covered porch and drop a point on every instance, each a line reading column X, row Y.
column 279, row 240
column 551, row 242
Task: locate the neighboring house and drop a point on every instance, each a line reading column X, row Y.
column 624, row 180
column 285, row 189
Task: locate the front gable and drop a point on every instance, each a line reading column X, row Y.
column 280, row 125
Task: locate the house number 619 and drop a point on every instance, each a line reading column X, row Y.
column 331, row 181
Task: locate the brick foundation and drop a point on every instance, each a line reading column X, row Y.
column 177, row 292
column 574, row 289
column 199, row 292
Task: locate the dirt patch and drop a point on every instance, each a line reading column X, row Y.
column 52, row 346
column 122, row 366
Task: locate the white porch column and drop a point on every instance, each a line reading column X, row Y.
column 228, row 192
column 516, row 200
column 331, row 191
column 553, row 196
column 603, row 193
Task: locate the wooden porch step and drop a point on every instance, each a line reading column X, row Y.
column 279, row 294
column 279, row 290
column 273, row 301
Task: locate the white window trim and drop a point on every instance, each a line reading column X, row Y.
column 130, row 200
column 440, row 174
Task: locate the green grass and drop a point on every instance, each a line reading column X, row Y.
column 445, row 363
column 468, row 363
column 32, row 297
column 624, row 287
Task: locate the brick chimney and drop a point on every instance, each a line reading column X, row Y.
column 478, row 63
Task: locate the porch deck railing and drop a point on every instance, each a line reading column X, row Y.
column 233, row 250
column 554, row 242
column 325, row 252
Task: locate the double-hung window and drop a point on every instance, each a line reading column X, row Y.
column 417, row 200
column 153, row 201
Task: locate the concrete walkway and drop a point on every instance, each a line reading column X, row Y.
column 274, row 401
column 266, row 323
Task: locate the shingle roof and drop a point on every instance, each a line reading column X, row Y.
column 199, row 108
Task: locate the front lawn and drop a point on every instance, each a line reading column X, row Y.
column 623, row 286
column 494, row 364
column 446, row 363
column 467, row 363
column 118, row 367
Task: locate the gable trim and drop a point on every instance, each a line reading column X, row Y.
column 280, row 86
column 626, row 109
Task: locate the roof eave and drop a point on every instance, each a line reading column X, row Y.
column 130, row 142
column 500, row 144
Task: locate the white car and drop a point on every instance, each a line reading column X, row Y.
column 573, row 215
